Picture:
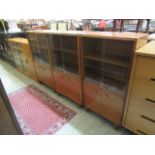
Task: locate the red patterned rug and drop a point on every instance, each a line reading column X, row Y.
column 37, row 112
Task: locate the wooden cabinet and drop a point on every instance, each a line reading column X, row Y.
column 91, row 68
column 106, row 64
column 42, row 60
column 140, row 108
column 22, row 56
column 65, row 56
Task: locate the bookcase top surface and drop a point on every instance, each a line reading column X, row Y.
column 19, row 40
column 147, row 50
column 108, row 35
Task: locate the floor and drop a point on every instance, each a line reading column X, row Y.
column 84, row 123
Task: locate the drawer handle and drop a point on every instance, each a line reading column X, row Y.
column 153, row 79
column 147, row 118
column 141, row 132
column 147, row 99
column 106, row 95
column 27, row 61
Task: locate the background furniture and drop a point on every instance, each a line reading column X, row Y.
column 62, row 26
column 140, row 108
column 91, row 68
column 134, row 25
column 22, row 56
column 8, row 122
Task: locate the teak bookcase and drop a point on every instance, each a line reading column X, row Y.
column 41, row 57
column 91, row 68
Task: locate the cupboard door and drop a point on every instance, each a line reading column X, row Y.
column 103, row 102
column 38, row 69
column 112, row 106
column 73, row 88
column 59, row 81
column 16, row 58
column 47, row 77
column 20, row 60
column 42, row 40
column 29, row 66
column 92, row 97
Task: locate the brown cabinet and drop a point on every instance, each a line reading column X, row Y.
column 106, row 65
column 140, row 107
column 42, row 61
column 65, row 56
column 91, row 68
column 22, row 56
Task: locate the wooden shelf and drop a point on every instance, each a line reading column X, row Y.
column 117, row 75
column 110, row 60
column 107, row 86
column 59, row 68
column 72, row 72
column 43, row 47
column 65, row 50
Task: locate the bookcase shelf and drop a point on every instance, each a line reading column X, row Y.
column 110, row 60
column 66, row 51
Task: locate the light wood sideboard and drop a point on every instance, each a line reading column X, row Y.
column 22, row 56
column 139, row 113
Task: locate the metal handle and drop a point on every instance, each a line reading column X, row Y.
column 106, row 95
column 147, row 99
column 26, row 61
column 147, row 118
column 152, row 79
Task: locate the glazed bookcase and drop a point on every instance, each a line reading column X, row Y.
column 91, row 68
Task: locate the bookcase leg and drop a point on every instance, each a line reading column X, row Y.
column 87, row 110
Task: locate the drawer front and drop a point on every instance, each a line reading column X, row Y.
column 140, row 123
column 92, row 97
column 142, row 99
column 145, row 68
column 141, row 106
column 103, row 102
column 73, row 88
column 143, row 88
